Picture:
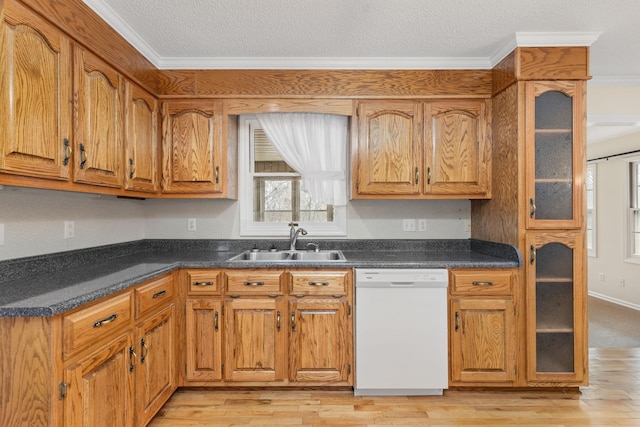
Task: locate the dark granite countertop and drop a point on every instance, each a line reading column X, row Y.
column 47, row 285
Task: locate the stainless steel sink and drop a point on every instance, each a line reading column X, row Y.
column 289, row 256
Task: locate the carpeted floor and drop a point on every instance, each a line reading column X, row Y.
column 612, row 325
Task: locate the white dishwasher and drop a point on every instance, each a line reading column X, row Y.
column 401, row 332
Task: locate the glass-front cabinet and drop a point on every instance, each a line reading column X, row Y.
column 556, row 313
column 555, row 156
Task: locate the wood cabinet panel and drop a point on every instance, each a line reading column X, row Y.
column 457, row 149
column 482, row 341
column 155, row 378
column 35, row 100
column 482, row 282
column 91, row 325
column 320, row 338
column 254, row 282
column 204, row 326
column 154, row 294
column 141, row 139
column 255, row 338
column 389, row 156
column 98, row 121
column 192, row 147
column 205, row 282
column 320, row 282
column 100, row 387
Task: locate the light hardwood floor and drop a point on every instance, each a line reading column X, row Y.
column 612, row 399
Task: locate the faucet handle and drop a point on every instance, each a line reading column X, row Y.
column 315, row 246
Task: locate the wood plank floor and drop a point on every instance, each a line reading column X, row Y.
column 612, row 399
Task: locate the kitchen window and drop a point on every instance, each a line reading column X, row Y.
column 591, row 210
column 271, row 191
column 633, row 222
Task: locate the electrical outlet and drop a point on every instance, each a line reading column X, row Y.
column 621, row 282
column 408, row 225
column 422, row 224
column 191, row 224
column 601, row 277
column 467, row 225
column 69, row 229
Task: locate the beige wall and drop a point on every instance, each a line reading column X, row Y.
column 608, row 266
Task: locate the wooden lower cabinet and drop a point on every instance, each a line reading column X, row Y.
column 255, row 339
column 99, row 388
column 482, row 327
column 203, row 339
column 320, row 328
column 269, row 327
column 155, row 371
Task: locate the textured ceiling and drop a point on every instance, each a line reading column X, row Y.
column 471, row 33
column 387, row 34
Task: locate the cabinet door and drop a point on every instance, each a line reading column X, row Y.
column 555, row 154
column 192, row 147
column 98, row 127
column 141, row 140
column 321, row 340
column 35, row 96
column 155, row 379
column 204, row 339
column 457, row 152
column 100, row 387
column 389, row 153
column 556, row 312
column 255, row 337
column 482, row 340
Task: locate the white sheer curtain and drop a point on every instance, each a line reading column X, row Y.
column 315, row 145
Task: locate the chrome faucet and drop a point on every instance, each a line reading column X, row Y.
column 294, row 233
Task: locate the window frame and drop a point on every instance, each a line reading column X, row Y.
column 592, row 250
column 251, row 228
column 632, row 208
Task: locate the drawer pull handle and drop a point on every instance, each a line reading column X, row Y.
column 144, row 350
column 159, row 294
column 337, row 295
column 293, row 321
column 202, row 283
column 106, row 320
column 482, row 283
column 299, row 295
column 132, row 358
column 234, row 296
column 457, row 321
column 273, row 295
column 278, row 321
column 318, row 283
column 532, row 255
column 215, row 320
column 254, row 283
column 532, row 208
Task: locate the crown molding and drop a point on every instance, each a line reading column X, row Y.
column 327, row 63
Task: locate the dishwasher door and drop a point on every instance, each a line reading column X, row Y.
column 401, row 332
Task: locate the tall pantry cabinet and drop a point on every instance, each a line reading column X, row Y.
column 539, row 122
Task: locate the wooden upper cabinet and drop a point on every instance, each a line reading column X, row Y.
column 35, row 96
column 408, row 149
column 389, row 148
column 141, row 140
column 555, row 154
column 192, row 147
column 98, row 121
column 457, row 150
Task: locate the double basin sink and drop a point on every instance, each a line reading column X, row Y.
column 289, row 256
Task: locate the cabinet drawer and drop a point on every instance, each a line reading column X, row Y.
column 254, row 282
column 204, row 282
column 96, row 322
column 309, row 282
column 152, row 295
column 482, row 282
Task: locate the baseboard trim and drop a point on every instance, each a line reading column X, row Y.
column 614, row 300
